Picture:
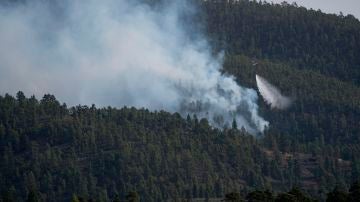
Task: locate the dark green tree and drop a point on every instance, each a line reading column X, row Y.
column 75, row 198
column 354, row 192
column 32, row 196
column 116, row 198
column 9, row 195
column 285, row 197
column 337, row 195
column 260, row 196
column 233, row 197
column 132, row 196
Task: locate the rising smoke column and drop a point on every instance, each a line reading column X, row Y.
column 120, row 52
column 271, row 94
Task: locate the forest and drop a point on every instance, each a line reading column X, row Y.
column 310, row 152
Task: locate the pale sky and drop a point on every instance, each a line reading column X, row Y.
column 329, row 6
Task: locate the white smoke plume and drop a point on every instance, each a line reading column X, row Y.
column 119, row 52
column 271, row 94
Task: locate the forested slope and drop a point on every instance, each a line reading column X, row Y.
column 309, row 55
column 306, row 39
column 55, row 151
column 100, row 153
column 323, row 107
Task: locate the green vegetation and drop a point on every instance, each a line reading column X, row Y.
column 50, row 152
column 101, row 153
column 306, row 39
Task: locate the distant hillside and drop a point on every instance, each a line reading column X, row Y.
column 305, row 39
column 57, row 151
column 323, row 107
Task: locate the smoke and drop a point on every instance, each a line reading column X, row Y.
column 271, row 94
column 120, row 53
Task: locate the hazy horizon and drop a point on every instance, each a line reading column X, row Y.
column 328, row 6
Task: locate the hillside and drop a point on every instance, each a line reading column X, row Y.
column 101, row 153
column 305, row 39
column 56, row 151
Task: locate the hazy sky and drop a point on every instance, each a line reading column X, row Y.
column 329, row 6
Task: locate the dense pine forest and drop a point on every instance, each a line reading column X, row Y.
column 52, row 152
